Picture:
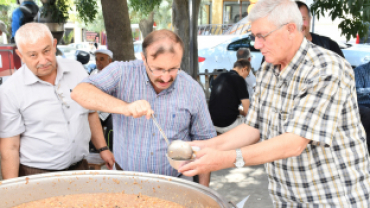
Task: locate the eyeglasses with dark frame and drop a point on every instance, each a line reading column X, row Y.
column 263, row 37
column 159, row 72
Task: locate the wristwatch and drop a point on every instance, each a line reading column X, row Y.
column 102, row 149
column 239, row 162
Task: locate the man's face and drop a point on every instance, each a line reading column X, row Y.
column 306, row 21
column 275, row 44
column 164, row 61
column 102, row 60
column 39, row 56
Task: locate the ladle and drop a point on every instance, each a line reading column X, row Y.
column 178, row 149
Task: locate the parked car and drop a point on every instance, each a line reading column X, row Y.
column 137, row 49
column 84, row 46
column 216, row 55
column 84, row 57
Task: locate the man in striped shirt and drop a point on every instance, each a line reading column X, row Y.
column 303, row 123
column 132, row 90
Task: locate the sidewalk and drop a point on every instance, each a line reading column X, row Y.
column 235, row 184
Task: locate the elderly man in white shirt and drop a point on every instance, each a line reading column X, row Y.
column 41, row 128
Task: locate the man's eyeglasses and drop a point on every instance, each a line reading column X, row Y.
column 159, row 72
column 263, row 37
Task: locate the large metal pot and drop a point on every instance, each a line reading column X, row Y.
column 25, row 189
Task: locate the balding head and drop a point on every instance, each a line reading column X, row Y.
column 168, row 39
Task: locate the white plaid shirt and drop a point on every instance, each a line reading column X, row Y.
column 314, row 97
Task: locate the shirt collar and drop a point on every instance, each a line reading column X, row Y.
column 31, row 78
column 288, row 72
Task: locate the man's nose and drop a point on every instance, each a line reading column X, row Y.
column 166, row 77
column 258, row 43
column 43, row 59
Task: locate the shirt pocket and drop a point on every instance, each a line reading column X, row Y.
column 179, row 125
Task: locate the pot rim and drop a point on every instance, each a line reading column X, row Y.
column 110, row 173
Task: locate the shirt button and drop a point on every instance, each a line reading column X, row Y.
column 67, row 122
column 151, row 153
column 73, row 141
column 153, row 134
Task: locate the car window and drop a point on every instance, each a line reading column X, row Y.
column 243, row 43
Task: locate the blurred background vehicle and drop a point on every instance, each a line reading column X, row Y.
column 216, row 55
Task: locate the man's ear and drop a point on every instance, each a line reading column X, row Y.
column 292, row 27
column 55, row 42
column 142, row 56
column 19, row 54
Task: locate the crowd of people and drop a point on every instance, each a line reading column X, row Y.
column 300, row 115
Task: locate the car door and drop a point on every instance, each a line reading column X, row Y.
column 248, row 42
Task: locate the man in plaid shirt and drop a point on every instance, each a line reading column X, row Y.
column 303, row 123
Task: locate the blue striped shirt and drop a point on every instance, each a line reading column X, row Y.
column 181, row 110
column 362, row 76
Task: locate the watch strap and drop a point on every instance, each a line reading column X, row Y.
column 103, row 149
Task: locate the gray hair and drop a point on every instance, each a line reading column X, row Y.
column 31, row 33
column 278, row 12
column 243, row 53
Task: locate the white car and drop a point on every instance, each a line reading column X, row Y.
column 137, row 49
column 222, row 54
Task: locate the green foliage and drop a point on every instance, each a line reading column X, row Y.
column 355, row 15
column 144, row 6
column 58, row 11
column 96, row 26
column 7, row 2
column 67, row 39
column 86, row 10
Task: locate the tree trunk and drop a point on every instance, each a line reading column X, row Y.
column 146, row 25
column 181, row 24
column 118, row 27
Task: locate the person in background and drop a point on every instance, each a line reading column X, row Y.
column 24, row 14
column 41, row 128
column 130, row 90
column 103, row 58
column 229, row 90
column 362, row 76
column 303, row 123
column 244, row 53
column 322, row 41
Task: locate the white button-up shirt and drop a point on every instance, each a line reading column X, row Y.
column 54, row 130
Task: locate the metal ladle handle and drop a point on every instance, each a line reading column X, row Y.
column 160, row 130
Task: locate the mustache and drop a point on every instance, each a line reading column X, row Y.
column 43, row 65
column 161, row 81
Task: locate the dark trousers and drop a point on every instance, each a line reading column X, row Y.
column 365, row 120
column 26, row 170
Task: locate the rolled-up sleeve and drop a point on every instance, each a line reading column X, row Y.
column 11, row 120
column 317, row 110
